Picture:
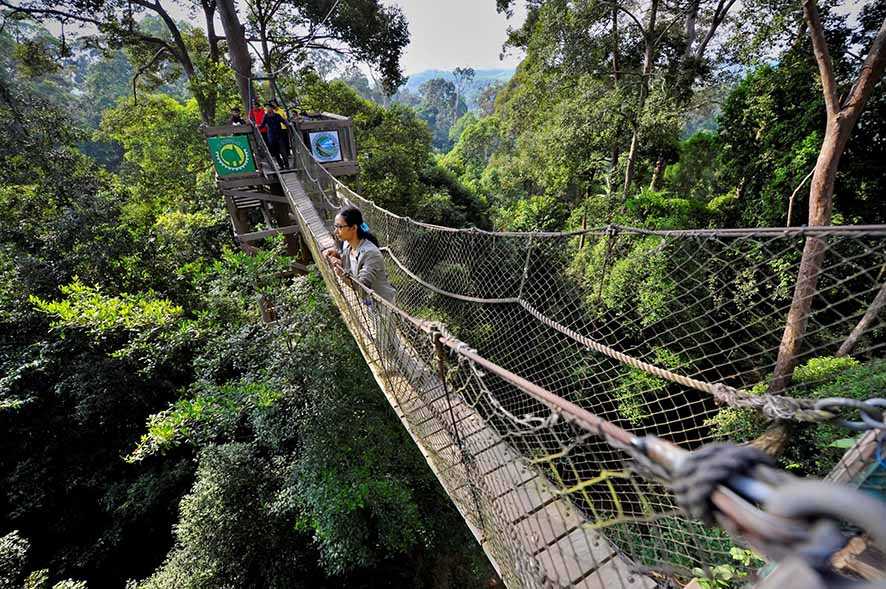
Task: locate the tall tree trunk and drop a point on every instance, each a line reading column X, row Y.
column 266, row 59
column 691, row 33
column 648, row 57
column 616, row 82
column 238, row 51
column 841, row 119
column 658, row 172
column 209, row 14
column 211, row 96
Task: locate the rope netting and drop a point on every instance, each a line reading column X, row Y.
column 497, row 341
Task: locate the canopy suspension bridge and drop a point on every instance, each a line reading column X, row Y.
column 566, row 388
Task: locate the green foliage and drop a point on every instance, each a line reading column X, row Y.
column 769, row 140
column 228, row 531
column 166, row 159
column 736, row 424
column 823, row 368
column 663, row 210
column 207, row 412
column 473, row 149
column 817, row 378
column 86, row 307
column 35, row 57
column 13, row 558
column 536, row 213
column 314, row 462
column 636, row 281
column 14, row 552
column 460, row 125
column 636, row 389
column 728, row 576
column 440, row 107
column 835, row 377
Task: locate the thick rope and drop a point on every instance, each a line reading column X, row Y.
column 772, row 406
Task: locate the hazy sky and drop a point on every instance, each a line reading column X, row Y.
column 446, row 34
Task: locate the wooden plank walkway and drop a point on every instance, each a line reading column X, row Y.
column 511, row 509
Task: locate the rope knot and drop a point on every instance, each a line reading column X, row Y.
column 698, row 476
column 724, row 395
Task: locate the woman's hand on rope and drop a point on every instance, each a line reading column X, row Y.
column 333, row 256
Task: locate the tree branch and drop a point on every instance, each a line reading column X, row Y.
column 822, row 56
column 720, row 13
column 43, row 13
column 142, row 70
column 637, row 22
column 872, row 312
column 180, row 50
column 869, row 76
column 664, row 31
column 794, row 195
column 209, row 15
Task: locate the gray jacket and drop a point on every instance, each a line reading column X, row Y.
column 370, row 268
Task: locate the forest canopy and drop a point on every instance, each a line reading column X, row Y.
column 156, row 431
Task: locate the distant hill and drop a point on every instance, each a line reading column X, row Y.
column 481, row 77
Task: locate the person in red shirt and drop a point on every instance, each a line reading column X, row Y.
column 257, row 116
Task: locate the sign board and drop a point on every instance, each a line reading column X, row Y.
column 325, row 146
column 231, row 154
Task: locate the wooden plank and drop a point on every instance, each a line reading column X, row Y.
column 257, row 235
column 862, row 558
column 251, row 180
column 240, row 194
column 323, row 125
column 580, row 552
column 855, row 460
column 549, row 524
column 615, row 574
column 528, row 498
column 468, row 427
column 343, row 168
column 506, row 477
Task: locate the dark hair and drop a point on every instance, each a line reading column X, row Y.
column 353, row 216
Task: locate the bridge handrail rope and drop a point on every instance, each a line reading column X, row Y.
column 770, row 405
column 736, row 501
column 743, row 480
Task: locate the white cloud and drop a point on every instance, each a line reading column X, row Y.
column 446, row 34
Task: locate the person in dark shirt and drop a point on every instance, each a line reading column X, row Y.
column 276, row 133
column 236, row 119
column 285, row 148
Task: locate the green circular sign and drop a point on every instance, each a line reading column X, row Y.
column 232, row 156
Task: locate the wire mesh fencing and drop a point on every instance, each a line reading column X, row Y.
column 674, row 334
